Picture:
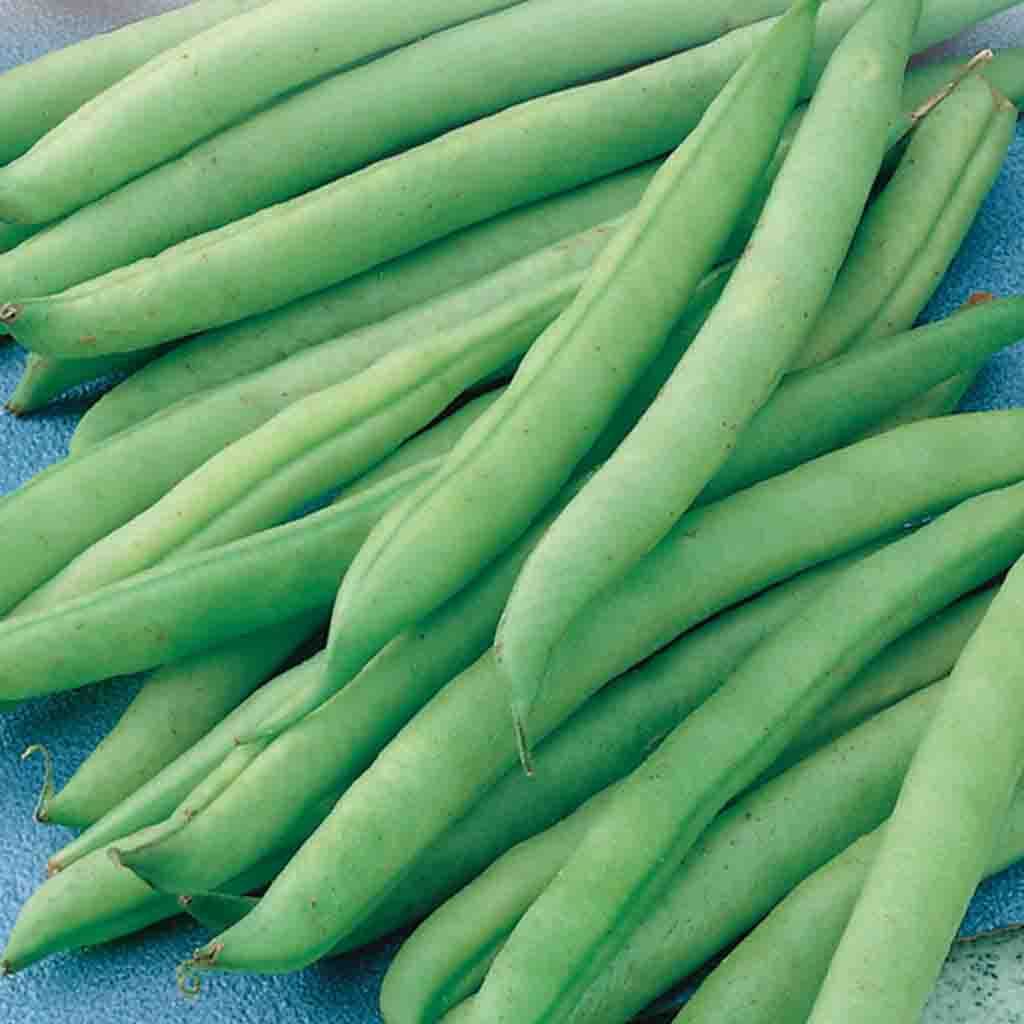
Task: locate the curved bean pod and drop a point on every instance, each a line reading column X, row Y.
column 941, row 147
column 510, row 464
column 155, row 456
column 950, row 811
column 775, row 973
column 203, row 85
column 154, row 729
column 37, row 96
column 705, row 564
column 776, row 292
column 153, row 732
column 45, row 378
column 518, row 807
column 753, row 851
column 727, row 743
column 193, row 604
column 318, row 442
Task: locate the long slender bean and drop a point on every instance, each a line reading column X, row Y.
column 704, row 565
column 730, row 740
column 950, row 811
column 776, row 292
column 319, row 442
column 196, row 603
column 37, row 96
column 510, row 464
column 928, row 174
column 152, row 457
column 774, row 974
column 203, row 85
column 403, row 283
column 391, row 103
column 227, row 353
column 750, row 854
column 308, row 243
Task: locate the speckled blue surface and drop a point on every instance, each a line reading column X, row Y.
column 133, row 980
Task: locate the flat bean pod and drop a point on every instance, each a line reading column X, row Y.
column 727, row 743
column 946, row 822
column 203, row 85
column 510, row 464
column 37, row 96
column 707, row 562
column 775, row 973
column 197, row 603
column 776, row 292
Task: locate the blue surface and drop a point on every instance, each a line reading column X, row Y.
column 133, row 980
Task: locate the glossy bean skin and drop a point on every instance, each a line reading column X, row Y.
column 463, row 735
column 584, row 365
column 197, row 603
column 774, row 974
column 37, row 96
column 764, row 317
column 727, row 743
column 201, row 86
column 946, row 822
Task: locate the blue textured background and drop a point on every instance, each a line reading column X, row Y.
column 133, row 980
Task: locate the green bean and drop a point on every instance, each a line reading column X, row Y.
column 950, row 810
column 940, row 148
column 37, row 96
column 227, row 353
column 730, row 740
column 950, row 230
column 403, row 283
column 751, row 854
column 670, row 95
column 734, row 364
column 195, row 603
column 714, row 557
column 511, row 464
column 45, row 378
column 175, row 708
column 12, row 235
column 610, row 124
column 402, row 98
column 623, row 721
column 154, row 456
column 319, row 442
column 1005, row 72
column 775, row 973
column 194, row 859
column 95, row 901
column 203, row 85
column 216, row 911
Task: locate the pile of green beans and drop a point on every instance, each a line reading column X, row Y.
column 587, row 363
